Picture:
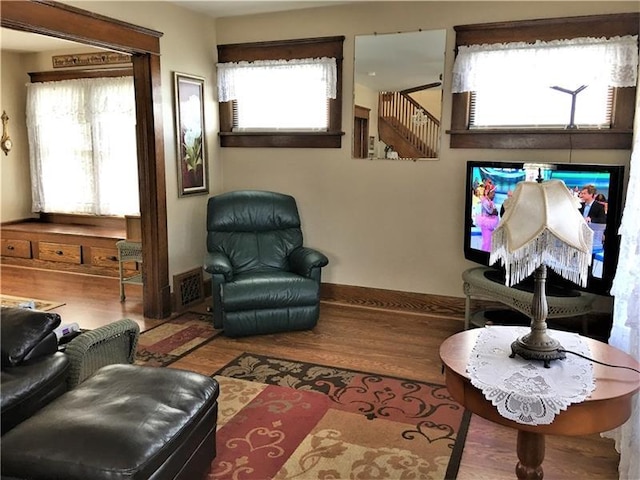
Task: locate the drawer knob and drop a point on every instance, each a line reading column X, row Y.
column 114, row 258
column 11, row 247
column 59, row 252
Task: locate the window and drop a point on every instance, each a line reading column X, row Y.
column 532, row 84
column 82, row 146
column 542, row 107
column 281, row 94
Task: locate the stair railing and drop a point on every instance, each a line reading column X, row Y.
column 419, row 127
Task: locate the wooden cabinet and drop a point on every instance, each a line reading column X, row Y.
column 104, row 257
column 79, row 248
column 16, row 248
column 60, row 252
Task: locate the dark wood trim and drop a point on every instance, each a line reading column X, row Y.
column 543, row 139
column 93, row 220
column 63, row 21
column 281, row 140
column 56, row 76
column 377, row 298
column 151, row 165
column 618, row 137
column 71, row 23
column 361, row 112
column 284, row 50
column 548, row 29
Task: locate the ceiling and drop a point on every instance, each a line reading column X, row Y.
column 399, row 61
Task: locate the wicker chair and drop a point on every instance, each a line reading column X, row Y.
column 106, row 345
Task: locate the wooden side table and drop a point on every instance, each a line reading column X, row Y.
column 608, row 407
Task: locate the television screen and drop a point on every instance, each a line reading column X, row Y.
column 489, row 184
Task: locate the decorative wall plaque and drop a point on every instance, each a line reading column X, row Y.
column 88, row 59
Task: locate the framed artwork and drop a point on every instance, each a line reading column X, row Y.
column 190, row 144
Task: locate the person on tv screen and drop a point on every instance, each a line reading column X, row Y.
column 488, row 219
column 595, row 215
column 591, row 210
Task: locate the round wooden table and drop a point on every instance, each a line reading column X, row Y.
column 608, row 407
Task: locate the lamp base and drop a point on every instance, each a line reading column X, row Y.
column 537, row 346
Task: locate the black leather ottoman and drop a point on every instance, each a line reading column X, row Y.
column 125, row 422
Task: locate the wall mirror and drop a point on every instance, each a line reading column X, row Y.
column 398, row 95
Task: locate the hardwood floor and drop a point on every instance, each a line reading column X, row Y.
column 397, row 343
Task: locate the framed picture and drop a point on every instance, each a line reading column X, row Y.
column 190, row 144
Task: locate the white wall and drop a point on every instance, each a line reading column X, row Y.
column 386, row 224
column 15, row 193
column 383, row 224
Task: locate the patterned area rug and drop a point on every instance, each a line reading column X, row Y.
column 165, row 343
column 281, row 419
column 26, row 302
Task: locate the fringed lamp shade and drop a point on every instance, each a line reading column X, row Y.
column 542, row 225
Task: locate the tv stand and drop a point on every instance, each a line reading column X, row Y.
column 477, row 284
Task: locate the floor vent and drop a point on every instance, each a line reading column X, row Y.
column 188, row 289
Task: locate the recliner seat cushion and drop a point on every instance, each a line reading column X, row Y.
column 269, row 290
column 124, row 422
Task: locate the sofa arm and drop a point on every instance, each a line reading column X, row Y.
column 303, row 260
column 218, row 263
column 112, row 343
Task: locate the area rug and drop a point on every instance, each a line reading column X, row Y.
column 165, row 343
column 26, row 302
column 283, row 419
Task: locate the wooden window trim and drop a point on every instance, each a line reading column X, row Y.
column 56, row 76
column 619, row 136
column 285, row 50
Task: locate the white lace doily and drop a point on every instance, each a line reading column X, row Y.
column 523, row 390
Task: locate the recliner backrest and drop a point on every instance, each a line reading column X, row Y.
column 257, row 230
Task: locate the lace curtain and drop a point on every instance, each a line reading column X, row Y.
column 566, row 63
column 235, row 79
column 82, row 146
column 625, row 333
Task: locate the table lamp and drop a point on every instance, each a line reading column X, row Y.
column 542, row 227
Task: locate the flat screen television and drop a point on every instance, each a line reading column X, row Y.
column 503, row 177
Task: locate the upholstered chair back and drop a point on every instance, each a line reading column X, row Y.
column 257, row 230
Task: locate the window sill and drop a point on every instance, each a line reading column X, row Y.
column 282, row 140
column 619, row 139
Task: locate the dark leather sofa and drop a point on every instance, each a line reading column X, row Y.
column 34, row 372
column 263, row 279
column 63, row 420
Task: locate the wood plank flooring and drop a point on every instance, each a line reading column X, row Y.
column 402, row 344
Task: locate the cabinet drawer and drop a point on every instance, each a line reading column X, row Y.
column 60, row 252
column 16, row 248
column 104, row 257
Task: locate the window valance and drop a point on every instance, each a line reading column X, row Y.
column 236, row 77
column 566, row 63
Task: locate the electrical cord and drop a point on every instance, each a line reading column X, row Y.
column 596, row 361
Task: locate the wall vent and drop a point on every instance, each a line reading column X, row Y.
column 188, row 289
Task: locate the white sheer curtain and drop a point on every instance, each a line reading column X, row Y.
column 82, row 146
column 279, row 94
column 567, row 63
column 625, row 333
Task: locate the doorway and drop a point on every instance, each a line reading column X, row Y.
column 143, row 44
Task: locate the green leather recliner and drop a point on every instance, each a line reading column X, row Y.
column 263, row 279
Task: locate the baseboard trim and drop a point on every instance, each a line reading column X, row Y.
column 381, row 299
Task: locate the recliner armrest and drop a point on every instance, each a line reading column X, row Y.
column 304, row 259
column 218, row 263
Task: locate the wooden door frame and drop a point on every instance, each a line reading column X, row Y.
column 71, row 23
